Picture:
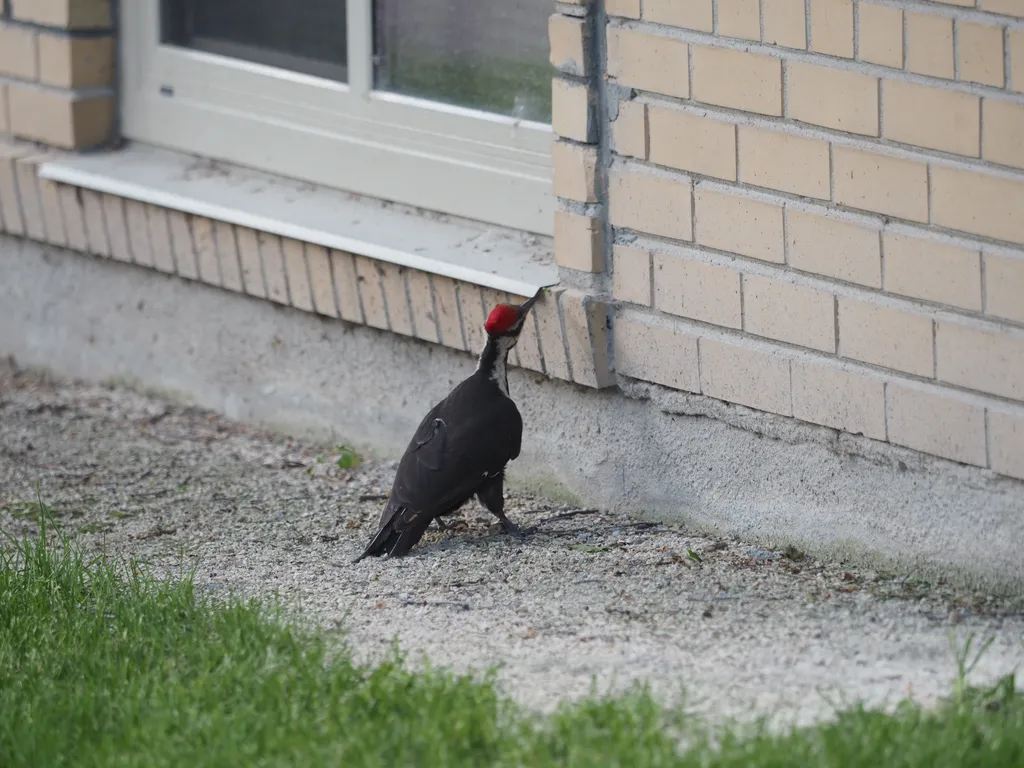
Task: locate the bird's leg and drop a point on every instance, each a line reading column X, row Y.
column 492, row 496
column 440, row 526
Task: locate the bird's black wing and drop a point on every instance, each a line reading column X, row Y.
column 467, row 437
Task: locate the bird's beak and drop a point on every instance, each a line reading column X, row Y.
column 527, row 305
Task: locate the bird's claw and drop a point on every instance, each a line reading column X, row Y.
column 512, row 529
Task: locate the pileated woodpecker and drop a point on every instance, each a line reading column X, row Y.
column 461, row 447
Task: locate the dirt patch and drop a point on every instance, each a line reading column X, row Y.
column 588, row 596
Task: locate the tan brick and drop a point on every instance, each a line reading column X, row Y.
column 631, row 275
column 272, row 258
column 980, row 50
column 204, row 249
column 472, row 311
column 74, row 219
column 940, row 424
column 751, row 377
column 651, row 351
column 82, row 62
column 929, row 45
column 137, row 219
column 575, row 169
column 784, row 161
column 739, row 18
column 885, row 336
column 158, row 237
column 421, row 301
column 552, row 340
column 568, row 38
column 181, row 241
column 117, row 233
column 627, row 9
column 300, row 293
column 586, row 335
column 833, row 247
column 834, row 98
column 784, row 23
column 690, row 142
column 250, row 262
column 67, row 14
column 629, row 130
column 161, row 247
column 881, row 35
column 96, row 225
column 227, row 254
column 371, row 292
column 392, row 279
column 648, row 203
column 880, row 183
column 1002, row 138
column 649, row 62
column 931, row 117
column 747, row 81
column 832, row 27
column 1009, row 7
column 346, row 287
column 579, row 242
column 788, row 312
column 25, row 170
column 10, row 200
column 839, row 398
column 978, row 203
column 53, row 218
column 933, row 271
column 571, row 112
column 59, row 118
column 1016, row 38
column 446, row 300
column 1006, row 442
column 700, row 291
column 529, row 340
column 1004, row 287
column 5, row 118
column 693, row 14
column 19, row 52
column 739, row 225
column 320, row 281
column 984, row 360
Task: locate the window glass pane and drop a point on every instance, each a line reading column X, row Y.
column 305, row 36
column 486, row 54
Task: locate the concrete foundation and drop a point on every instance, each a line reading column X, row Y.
column 641, row 449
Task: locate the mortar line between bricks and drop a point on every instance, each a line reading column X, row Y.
column 760, row 20
column 983, row 268
column 309, row 278
column 885, row 408
column 703, row 329
column 284, row 270
column 694, row 37
column 404, row 274
column 238, row 257
column 966, row 13
column 904, row 31
column 856, row 31
column 807, row 25
column 956, row 49
column 433, row 308
column 123, row 208
column 1007, row 61
column 988, row 437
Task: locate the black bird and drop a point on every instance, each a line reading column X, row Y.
column 461, row 447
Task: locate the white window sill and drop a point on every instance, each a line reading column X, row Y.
column 506, row 260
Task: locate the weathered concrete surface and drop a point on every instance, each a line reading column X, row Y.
column 588, row 596
column 689, row 459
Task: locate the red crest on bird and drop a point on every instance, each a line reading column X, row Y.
column 502, row 317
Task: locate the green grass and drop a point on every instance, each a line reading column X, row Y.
column 101, row 665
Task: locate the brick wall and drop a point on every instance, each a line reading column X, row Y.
column 813, row 208
column 57, row 72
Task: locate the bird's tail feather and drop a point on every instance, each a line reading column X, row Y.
column 396, row 542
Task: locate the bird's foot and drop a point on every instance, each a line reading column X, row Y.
column 440, row 526
column 511, row 528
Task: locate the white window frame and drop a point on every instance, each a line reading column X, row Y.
column 464, row 162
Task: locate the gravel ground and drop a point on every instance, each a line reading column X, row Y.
column 588, row 597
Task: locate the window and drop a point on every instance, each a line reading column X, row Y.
column 441, row 104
